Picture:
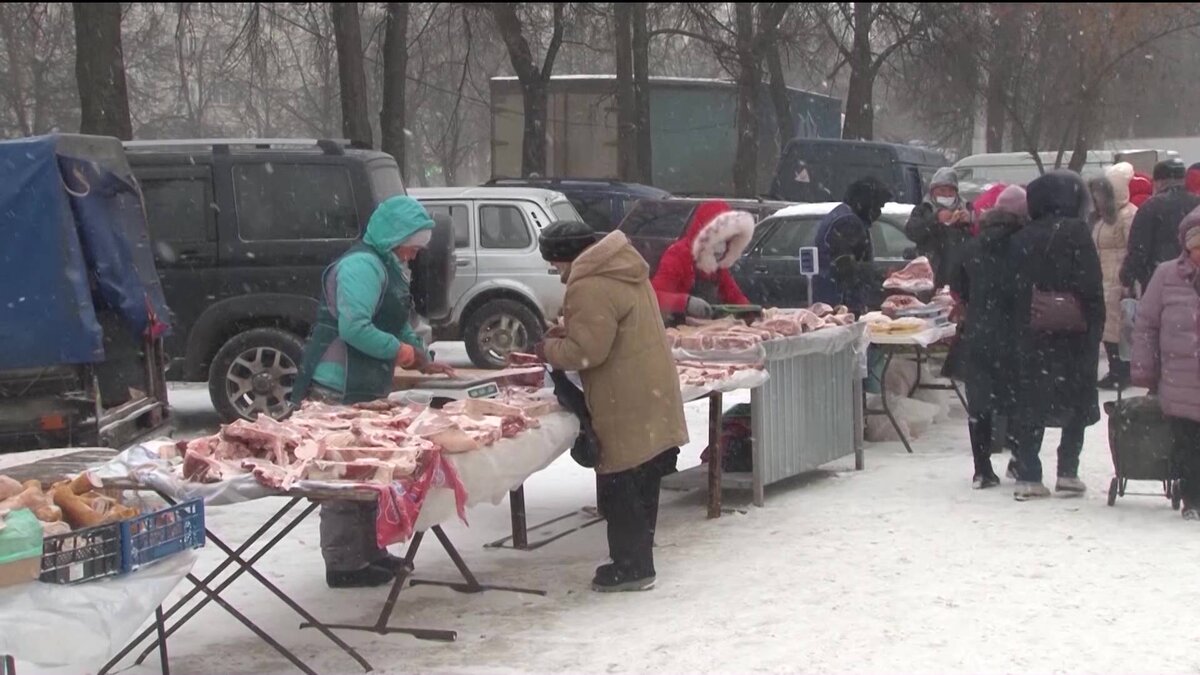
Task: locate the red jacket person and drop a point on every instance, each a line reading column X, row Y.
column 694, row 273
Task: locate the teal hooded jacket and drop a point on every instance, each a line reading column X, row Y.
column 361, row 281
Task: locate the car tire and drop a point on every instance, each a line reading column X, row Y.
column 253, row 372
column 498, row 328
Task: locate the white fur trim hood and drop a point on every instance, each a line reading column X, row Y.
column 732, row 231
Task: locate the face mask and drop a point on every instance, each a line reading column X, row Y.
column 946, row 201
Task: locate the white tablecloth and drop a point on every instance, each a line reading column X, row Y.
column 85, row 624
column 922, row 339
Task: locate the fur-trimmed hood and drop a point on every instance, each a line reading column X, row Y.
column 718, row 235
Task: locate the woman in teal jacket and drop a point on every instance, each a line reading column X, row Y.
column 362, row 334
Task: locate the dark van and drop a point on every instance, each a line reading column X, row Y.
column 820, row 170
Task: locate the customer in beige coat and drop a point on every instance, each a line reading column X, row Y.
column 1111, row 223
column 613, row 336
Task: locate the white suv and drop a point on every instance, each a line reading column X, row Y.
column 503, row 292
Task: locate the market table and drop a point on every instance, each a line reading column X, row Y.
column 798, row 415
column 99, row 616
column 487, row 474
column 920, row 345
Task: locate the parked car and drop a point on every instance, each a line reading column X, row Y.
column 654, row 225
column 601, row 203
column 81, row 308
column 769, row 271
column 820, row 169
column 503, row 292
column 242, row 230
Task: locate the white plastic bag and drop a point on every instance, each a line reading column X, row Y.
column 1129, row 307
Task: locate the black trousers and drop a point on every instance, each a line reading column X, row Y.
column 1116, row 367
column 629, row 501
column 982, row 428
column 1187, row 458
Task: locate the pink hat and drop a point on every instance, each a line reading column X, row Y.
column 1012, row 200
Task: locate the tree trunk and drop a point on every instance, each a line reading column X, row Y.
column 1000, row 68
column 996, row 116
column 1084, row 132
column 535, row 97
column 860, row 103
column 347, row 34
column 395, row 70
column 745, row 156
column 784, row 121
column 100, row 70
column 16, row 84
column 641, row 93
column 627, row 168
column 860, row 106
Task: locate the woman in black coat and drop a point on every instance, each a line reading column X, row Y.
column 985, row 284
column 1055, row 372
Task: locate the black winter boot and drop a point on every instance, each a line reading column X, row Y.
column 368, row 577
column 613, row 578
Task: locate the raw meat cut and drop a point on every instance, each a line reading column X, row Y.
column 895, row 303
column 915, row 277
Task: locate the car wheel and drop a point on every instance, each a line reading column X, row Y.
column 254, row 372
column 499, row 328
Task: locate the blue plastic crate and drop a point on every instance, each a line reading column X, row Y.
column 157, row 535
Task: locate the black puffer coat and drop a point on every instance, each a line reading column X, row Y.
column 1056, row 372
column 1154, row 234
column 942, row 244
column 985, row 283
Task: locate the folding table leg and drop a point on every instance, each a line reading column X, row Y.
column 715, row 454
column 472, row 585
column 516, row 506
column 887, row 407
column 212, row 576
column 164, row 661
column 381, row 626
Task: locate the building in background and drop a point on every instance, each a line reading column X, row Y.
column 692, row 121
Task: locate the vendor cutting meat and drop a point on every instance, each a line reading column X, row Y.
column 693, row 274
column 845, row 275
column 361, row 335
column 941, row 225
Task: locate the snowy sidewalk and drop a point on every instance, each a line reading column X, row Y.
column 899, row 568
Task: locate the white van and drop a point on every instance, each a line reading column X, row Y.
column 976, row 172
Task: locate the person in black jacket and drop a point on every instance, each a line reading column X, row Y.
column 1154, row 235
column 1055, row 371
column 940, row 225
column 844, row 250
column 986, row 287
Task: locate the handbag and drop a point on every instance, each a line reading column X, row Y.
column 1056, row 311
column 586, row 449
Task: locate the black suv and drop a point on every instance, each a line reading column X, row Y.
column 652, row 226
column 242, row 230
column 601, row 203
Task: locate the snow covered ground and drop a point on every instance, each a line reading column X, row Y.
column 898, row 568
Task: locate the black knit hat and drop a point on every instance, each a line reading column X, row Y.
column 1170, row 169
column 565, row 240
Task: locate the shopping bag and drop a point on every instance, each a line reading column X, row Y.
column 1129, row 307
column 586, row 450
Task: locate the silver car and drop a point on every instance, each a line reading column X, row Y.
column 503, row 292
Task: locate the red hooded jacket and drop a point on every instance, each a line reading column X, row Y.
column 713, row 224
column 1141, row 188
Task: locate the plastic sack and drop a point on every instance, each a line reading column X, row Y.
column 1129, row 307
column 21, row 537
column 753, row 355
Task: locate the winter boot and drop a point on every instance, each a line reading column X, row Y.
column 1029, row 491
column 1011, row 471
column 983, row 481
column 368, row 577
column 1069, row 486
column 1191, row 514
column 395, row 564
column 613, row 578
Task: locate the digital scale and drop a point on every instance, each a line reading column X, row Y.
column 470, row 384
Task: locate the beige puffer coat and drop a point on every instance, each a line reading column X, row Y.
column 616, row 340
column 1111, row 242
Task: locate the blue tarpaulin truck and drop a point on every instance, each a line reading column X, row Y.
column 82, row 313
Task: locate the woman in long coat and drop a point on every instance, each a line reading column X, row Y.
column 1111, row 221
column 1055, row 371
column 985, row 285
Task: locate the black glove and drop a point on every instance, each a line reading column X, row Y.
column 845, row 270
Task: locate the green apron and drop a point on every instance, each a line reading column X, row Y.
column 367, row 378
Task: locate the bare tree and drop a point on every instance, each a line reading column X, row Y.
column 534, row 78
column 867, row 34
column 395, row 70
column 641, row 92
column 100, row 70
column 352, row 74
column 627, row 156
